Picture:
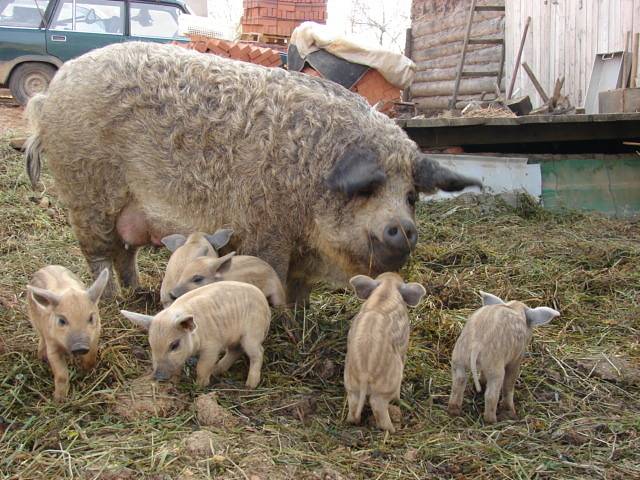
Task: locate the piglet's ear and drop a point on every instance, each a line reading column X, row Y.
column 173, row 242
column 489, row 299
column 429, row 176
column 363, row 286
column 44, row 298
column 143, row 321
column 95, row 291
column 412, row 293
column 540, row 316
column 356, row 171
column 186, row 323
column 220, row 238
column 223, row 264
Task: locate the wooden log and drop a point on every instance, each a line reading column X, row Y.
column 406, row 93
column 625, row 60
column 454, row 48
column 518, row 58
column 485, row 28
column 634, row 60
column 434, row 26
column 476, row 57
column 437, row 74
column 536, row 83
column 467, row 87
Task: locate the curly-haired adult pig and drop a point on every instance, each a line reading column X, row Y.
column 492, row 345
column 377, row 344
column 310, row 178
column 65, row 314
column 229, row 317
column 186, row 249
column 239, row 268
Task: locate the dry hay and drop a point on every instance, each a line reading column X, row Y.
column 573, row 422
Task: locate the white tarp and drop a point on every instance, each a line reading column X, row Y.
column 497, row 174
column 397, row 69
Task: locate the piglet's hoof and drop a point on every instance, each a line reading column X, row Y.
column 490, row 419
column 507, row 415
column 454, row 410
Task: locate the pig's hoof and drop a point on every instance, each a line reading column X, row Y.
column 454, row 410
column 251, row 384
column 203, row 382
column 490, row 419
column 508, row 415
column 353, row 420
column 389, row 428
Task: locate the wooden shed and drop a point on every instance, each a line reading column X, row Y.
column 563, row 39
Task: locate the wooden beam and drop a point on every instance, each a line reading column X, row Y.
column 518, row 58
column 635, row 60
column 454, row 98
column 406, row 94
column 625, row 59
column 536, row 83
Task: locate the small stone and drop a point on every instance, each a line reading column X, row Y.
column 200, row 444
column 411, row 455
column 210, row 414
column 396, row 414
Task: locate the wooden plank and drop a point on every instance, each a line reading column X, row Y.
column 490, row 8
column 535, row 82
column 634, row 59
column 518, row 58
column 464, row 53
column 485, row 41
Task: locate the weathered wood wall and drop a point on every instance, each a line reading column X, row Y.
column 437, row 33
column 564, row 37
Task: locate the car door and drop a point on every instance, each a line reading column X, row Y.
column 154, row 21
column 22, row 28
column 78, row 26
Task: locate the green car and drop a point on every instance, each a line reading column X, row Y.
column 37, row 36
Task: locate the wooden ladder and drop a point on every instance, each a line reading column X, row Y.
column 477, row 41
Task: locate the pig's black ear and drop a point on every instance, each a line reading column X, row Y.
column 363, row 286
column 356, row 172
column 173, row 242
column 220, row 238
column 429, row 176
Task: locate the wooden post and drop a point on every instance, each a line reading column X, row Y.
column 454, row 98
column 625, row 60
column 635, row 60
column 406, row 94
column 517, row 64
column 536, row 83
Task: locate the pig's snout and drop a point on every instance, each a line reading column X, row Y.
column 400, row 236
column 173, row 295
column 79, row 348
column 161, row 376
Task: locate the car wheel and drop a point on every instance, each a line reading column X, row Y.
column 28, row 79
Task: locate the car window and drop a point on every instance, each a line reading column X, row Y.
column 154, row 20
column 92, row 16
column 22, row 13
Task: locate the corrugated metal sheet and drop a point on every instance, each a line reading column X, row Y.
column 563, row 39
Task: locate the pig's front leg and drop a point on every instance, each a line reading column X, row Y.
column 60, row 373
column 206, row 364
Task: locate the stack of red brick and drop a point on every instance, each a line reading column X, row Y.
column 236, row 50
column 281, row 17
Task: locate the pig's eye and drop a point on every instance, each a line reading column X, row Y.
column 174, row 345
column 197, row 279
column 62, row 321
column 412, row 197
column 91, row 319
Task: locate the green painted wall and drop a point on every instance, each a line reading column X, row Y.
column 608, row 184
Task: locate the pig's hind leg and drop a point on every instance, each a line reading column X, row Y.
column 511, row 375
column 380, row 407
column 253, row 349
column 458, row 385
column 495, row 378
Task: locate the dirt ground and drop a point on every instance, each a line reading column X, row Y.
column 12, row 121
column 578, row 396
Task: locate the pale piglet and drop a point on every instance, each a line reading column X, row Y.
column 492, row 345
column 377, row 344
column 184, row 250
column 240, row 268
column 65, row 315
column 229, row 317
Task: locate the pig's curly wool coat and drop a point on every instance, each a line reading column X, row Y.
column 198, row 142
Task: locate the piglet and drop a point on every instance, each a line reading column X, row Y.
column 377, row 344
column 492, row 346
column 65, row 315
column 229, row 317
column 240, row 268
column 186, row 249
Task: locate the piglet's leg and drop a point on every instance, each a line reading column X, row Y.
column 42, row 350
column 60, row 374
column 352, row 399
column 494, row 378
column 458, row 384
column 232, row 355
column 255, row 353
column 511, row 375
column 206, row 365
column 380, row 407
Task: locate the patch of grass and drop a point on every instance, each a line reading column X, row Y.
column 573, row 424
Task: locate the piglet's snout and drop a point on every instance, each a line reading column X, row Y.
column 79, row 345
column 161, row 376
